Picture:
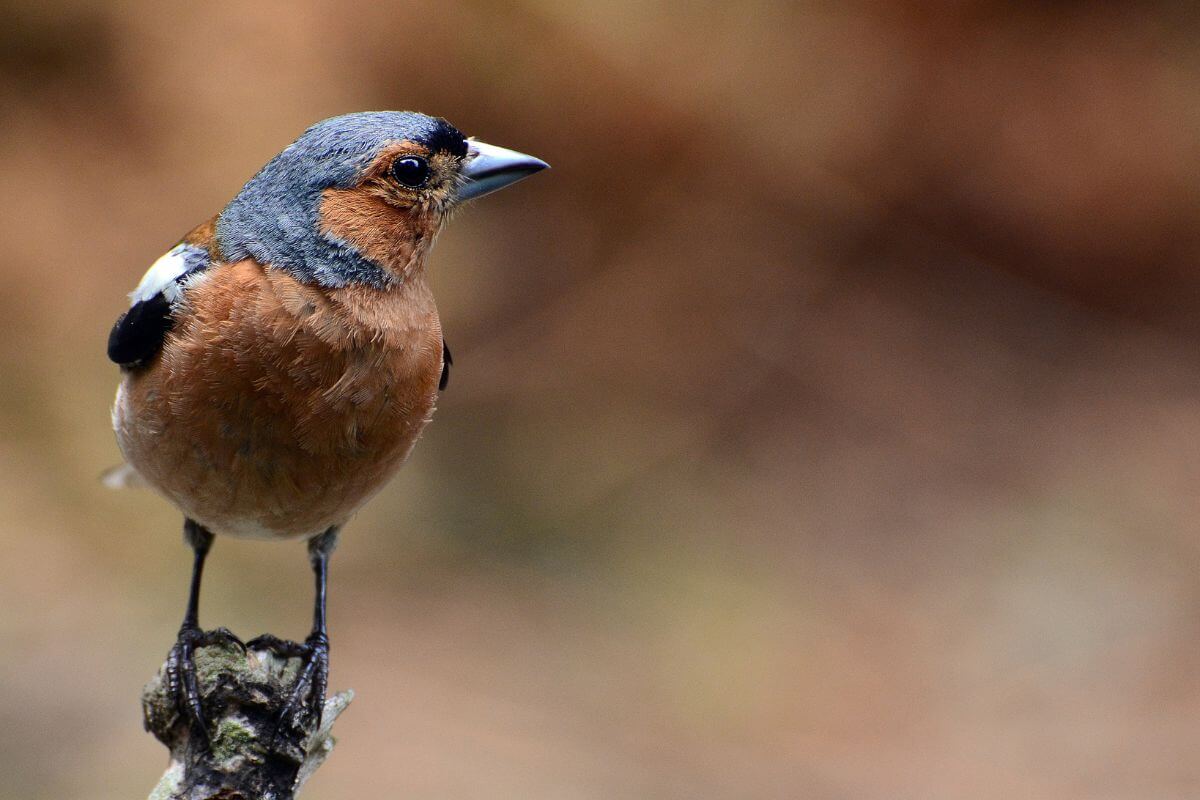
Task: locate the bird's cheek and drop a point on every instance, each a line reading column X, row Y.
column 394, row 238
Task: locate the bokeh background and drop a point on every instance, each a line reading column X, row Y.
column 826, row 424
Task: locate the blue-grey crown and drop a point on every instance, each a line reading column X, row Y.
column 275, row 219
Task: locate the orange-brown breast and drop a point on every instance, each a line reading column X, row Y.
column 277, row 408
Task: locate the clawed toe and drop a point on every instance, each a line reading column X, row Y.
column 304, row 704
column 182, row 682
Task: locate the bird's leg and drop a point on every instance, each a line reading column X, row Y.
column 181, row 667
column 308, row 694
column 319, row 551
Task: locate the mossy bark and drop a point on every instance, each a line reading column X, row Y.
column 250, row 752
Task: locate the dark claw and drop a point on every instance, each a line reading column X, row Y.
column 306, row 701
column 280, row 647
column 181, row 678
column 316, row 701
column 181, row 672
column 301, row 712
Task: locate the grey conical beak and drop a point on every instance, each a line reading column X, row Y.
column 489, row 168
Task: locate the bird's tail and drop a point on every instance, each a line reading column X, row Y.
column 122, row 476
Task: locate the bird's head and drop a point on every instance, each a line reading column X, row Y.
column 359, row 198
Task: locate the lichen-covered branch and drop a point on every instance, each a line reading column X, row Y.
column 250, row 753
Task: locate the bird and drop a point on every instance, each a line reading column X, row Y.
column 279, row 362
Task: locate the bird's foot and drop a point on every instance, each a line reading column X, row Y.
column 302, row 710
column 182, row 683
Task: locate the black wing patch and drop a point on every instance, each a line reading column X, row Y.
column 140, row 331
column 446, row 362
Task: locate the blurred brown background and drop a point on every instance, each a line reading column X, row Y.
column 826, row 424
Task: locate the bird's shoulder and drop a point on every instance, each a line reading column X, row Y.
column 139, row 333
column 194, row 298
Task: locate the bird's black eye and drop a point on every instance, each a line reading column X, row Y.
column 411, row 171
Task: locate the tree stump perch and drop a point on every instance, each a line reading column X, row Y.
column 251, row 754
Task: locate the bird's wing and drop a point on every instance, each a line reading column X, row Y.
column 446, row 362
column 139, row 332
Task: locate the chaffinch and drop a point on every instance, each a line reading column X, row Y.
column 280, row 361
